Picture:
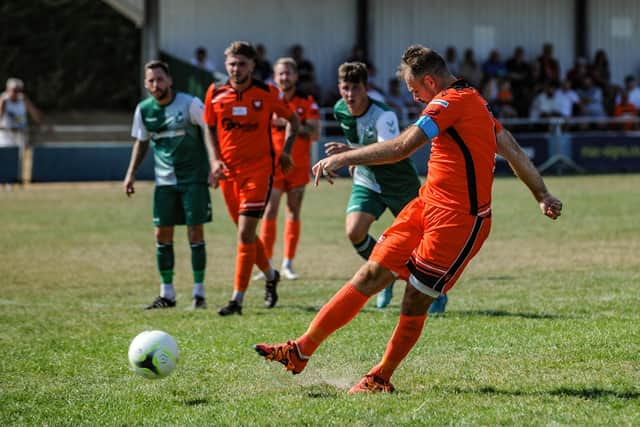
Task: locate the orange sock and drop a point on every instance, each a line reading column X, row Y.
column 339, row 311
column 261, row 257
column 402, row 341
column 268, row 230
column 245, row 258
column 291, row 237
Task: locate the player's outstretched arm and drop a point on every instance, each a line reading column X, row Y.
column 379, row 153
column 509, row 148
column 137, row 156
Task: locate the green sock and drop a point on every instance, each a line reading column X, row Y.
column 365, row 247
column 198, row 261
column 165, row 259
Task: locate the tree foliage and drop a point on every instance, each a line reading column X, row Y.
column 71, row 54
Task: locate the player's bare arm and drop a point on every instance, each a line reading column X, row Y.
column 310, row 129
column 218, row 168
column 383, row 152
column 137, row 156
column 509, row 148
column 290, row 134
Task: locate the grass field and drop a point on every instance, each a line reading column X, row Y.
column 543, row 328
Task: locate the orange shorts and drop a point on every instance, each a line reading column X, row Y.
column 429, row 246
column 246, row 195
column 297, row 177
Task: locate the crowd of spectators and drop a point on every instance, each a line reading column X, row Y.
column 515, row 87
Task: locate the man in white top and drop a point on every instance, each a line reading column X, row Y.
column 14, row 109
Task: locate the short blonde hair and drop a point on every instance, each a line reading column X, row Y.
column 15, row 83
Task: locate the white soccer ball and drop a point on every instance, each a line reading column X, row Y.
column 153, row 354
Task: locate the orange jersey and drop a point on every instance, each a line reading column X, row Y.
column 243, row 122
column 307, row 109
column 463, row 149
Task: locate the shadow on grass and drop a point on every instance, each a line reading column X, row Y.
column 323, row 391
column 195, row 402
column 583, row 393
column 503, row 313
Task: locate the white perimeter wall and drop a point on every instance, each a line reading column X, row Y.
column 325, row 28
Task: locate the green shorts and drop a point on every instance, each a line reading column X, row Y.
column 365, row 200
column 181, row 204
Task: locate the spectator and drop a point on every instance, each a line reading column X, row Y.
column 470, row 70
column 519, row 72
column 579, row 71
column 591, row 99
column 548, row 67
column 626, row 109
column 567, row 99
column 201, row 59
column 493, row 66
column 451, row 58
column 15, row 107
column 504, row 101
column 599, row 70
column 544, row 104
column 632, row 90
column 306, row 73
column 263, row 70
column 396, row 99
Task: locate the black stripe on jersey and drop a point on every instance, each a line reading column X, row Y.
column 438, row 283
column 460, row 84
column 470, row 168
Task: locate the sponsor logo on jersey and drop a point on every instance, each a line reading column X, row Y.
column 257, row 104
column 229, row 124
column 391, row 126
column 239, row 111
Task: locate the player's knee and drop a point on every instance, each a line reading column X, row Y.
column 371, row 278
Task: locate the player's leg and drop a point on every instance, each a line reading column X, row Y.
column 339, row 311
column 269, row 225
column 292, row 228
column 400, row 240
column 167, row 212
column 250, row 196
column 197, row 207
column 449, row 241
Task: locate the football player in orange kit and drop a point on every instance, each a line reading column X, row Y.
column 434, row 237
column 285, row 75
column 238, row 116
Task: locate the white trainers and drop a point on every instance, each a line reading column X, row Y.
column 258, row 276
column 288, row 273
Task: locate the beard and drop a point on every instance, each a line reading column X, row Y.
column 241, row 79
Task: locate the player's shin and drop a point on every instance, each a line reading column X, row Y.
column 198, row 265
column 339, row 311
column 402, row 341
column 165, row 263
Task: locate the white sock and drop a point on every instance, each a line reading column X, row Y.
column 287, row 263
column 237, row 296
column 166, row 291
column 198, row 290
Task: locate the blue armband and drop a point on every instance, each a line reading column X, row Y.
column 428, row 126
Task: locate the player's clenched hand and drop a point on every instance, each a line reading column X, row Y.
column 551, row 206
column 128, row 186
column 218, row 172
column 286, row 162
column 331, row 148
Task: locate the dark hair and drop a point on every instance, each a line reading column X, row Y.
column 420, row 60
column 241, row 48
column 353, row 72
column 157, row 64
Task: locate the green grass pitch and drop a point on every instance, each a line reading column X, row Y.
column 542, row 329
